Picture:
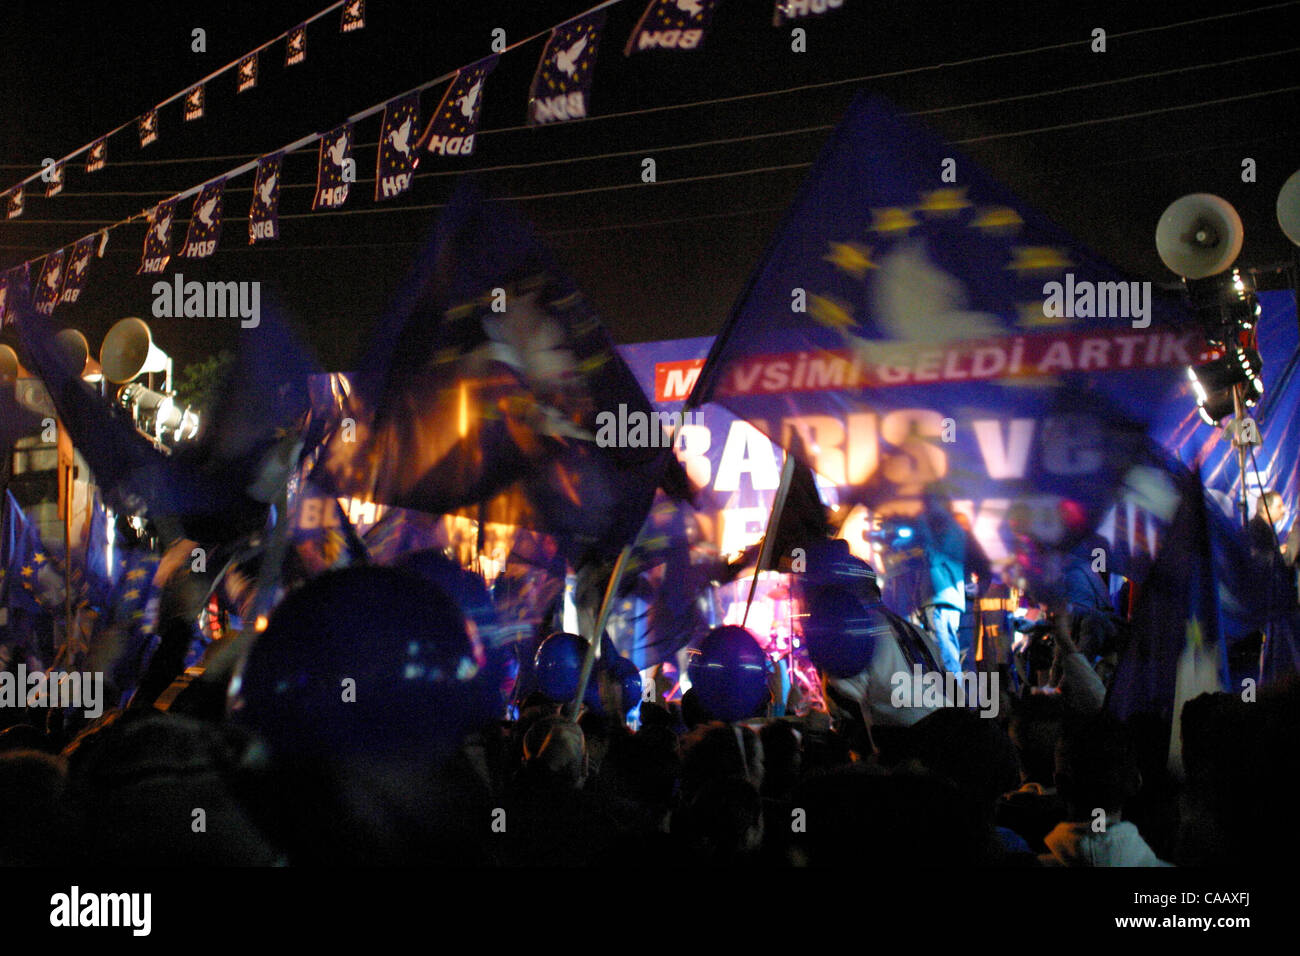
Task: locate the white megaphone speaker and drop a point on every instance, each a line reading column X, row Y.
column 77, row 349
column 1199, row 235
column 10, row 367
column 128, row 352
column 1288, row 207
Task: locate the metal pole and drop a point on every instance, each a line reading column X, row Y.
column 67, row 553
column 1241, row 451
column 593, row 640
column 769, row 535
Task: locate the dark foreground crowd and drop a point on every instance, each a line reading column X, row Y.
column 413, row 765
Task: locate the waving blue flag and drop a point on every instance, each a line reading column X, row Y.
column 923, row 330
column 1177, row 646
column 217, row 485
column 485, row 384
column 29, row 576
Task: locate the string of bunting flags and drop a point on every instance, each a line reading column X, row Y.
column 560, row 91
column 146, row 124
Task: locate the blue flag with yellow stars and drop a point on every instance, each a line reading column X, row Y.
column 49, row 284
column 24, row 563
column 926, row 332
column 1177, row 646
column 83, row 250
column 671, row 25
column 452, row 130
column 13, row 290
column 203, row 483
column 395, row 167
column 205, row 222
column 561, row 87
column 484, row 384
column 335, row 169
column 264, row 215
column 662, row 605
column 131, row 616
column 158, row 240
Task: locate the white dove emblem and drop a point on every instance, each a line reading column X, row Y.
column 266, row 188
column 52, row 277
column 246, row 71
column 566, row 61
column 205, row 211
column 337, row 149
column 80, row 265
column 354, row 7
column 469, row 102
column 689, row 6
column 916, row 300
column 160, row 228
column 399, row 136
column 148, row 124
column 296, row 42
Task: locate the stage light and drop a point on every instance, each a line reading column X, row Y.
column 157, row 414
column 1224, row 305
column 1214, row 381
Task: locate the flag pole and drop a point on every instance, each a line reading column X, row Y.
column 593, row 641
column 67, row 559
column 611, row 589
column 769, row 535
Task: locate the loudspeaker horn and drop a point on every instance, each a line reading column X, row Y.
column 10, row 367
column 128, row 352
column 1288, row 207
column 1199, row 235
column 77, row 349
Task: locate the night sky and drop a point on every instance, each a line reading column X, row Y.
column 661, row 261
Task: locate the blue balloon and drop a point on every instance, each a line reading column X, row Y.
column 831, row 564
column 365, row 660
column 558, row 666
column 729, row 674
column 465, row 588
column 841, row 632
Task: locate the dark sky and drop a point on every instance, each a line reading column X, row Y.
column 71, row 71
